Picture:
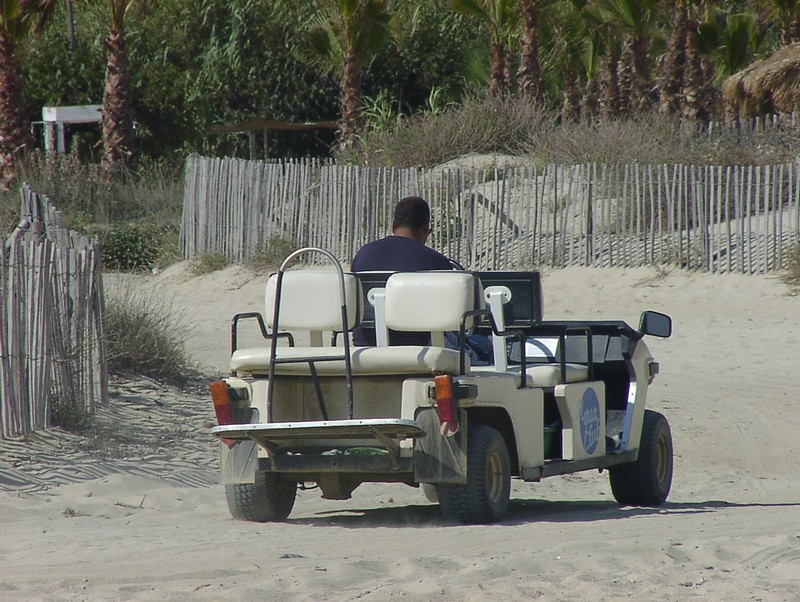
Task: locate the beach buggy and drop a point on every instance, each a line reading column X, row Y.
column 308, row 409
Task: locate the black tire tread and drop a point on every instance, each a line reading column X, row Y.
column 636, row 483
column 469, row 503
column 268, row 499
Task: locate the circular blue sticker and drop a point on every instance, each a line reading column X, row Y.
column 590, row 421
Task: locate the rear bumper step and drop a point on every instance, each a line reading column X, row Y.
column 285, row 432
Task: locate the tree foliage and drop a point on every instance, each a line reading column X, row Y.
column 195, row 64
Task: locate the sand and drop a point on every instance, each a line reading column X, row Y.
column 142, row 516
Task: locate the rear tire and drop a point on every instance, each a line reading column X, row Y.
column 270, row 498
column 484, row 497
column 647, row 481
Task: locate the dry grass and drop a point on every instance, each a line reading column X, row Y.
column 209, row 263
column 515, row 126
column 791, row 270
column 146, row 336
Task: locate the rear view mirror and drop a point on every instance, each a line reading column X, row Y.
column 656, row 324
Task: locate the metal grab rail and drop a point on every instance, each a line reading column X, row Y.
column 462, row 340
column 311, row 359
column 261, row 325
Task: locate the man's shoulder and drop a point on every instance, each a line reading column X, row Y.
column 398, row 253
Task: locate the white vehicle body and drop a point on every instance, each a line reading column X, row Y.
column 560, row 397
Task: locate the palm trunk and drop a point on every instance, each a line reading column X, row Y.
column 625, row 77
column 609, row 84
column 497, row 83
column 675, row 62
column 509, row 73
column 641, row 85
column 117, row 107
column 694, row 106
column 570, row 103
column 591, row 105
column 351, row 100
column 530, row 72
column 14, row 135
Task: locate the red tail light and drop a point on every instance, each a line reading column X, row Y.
column 222, row 402
column 446, row 405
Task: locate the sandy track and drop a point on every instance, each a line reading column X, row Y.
column 145, row 519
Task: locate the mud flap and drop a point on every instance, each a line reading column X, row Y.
column 238, row 462
column 439, row 459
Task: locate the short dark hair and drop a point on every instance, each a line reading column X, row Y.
column 412, row 212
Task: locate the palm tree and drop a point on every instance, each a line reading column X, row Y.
column 787, row 13
column 675, row 60
column 530, row 72
column 17, row 19
column 727, row 43
column 693, row 97
column 347, row 34
column 118, row 151
column 600, row 56
column 571, row 52
column 634, row 18
column 610, row 102
column 500, row 18
column 597, row 94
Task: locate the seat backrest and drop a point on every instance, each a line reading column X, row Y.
column 429, row 301
column 526, row 306
column 311, row 300
column 370, row 280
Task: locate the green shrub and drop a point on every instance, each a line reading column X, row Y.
column 69, row 414
column 145, row 335
column 209, row 263
column 133, row 246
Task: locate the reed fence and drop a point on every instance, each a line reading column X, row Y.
column 716, row 219
column 51, row 329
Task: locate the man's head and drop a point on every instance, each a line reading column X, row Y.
column 412, row 218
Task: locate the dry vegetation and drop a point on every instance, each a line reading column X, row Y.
column 791, row 271
column 513, row 126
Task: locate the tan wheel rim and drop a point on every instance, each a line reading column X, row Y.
column 494, row 478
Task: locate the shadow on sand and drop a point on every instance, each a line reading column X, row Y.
column 520, row 512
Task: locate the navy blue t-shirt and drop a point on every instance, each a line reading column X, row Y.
column 396, row 254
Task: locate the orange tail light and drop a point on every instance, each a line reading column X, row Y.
column 222, row 402
column 446, row 405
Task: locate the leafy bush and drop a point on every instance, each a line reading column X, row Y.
column 69, row 414
column 132, row 247
column 145, row 335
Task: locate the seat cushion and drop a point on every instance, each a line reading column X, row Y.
column 364, row 360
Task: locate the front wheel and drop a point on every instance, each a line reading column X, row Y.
column 269, row 499
column 647, row 481
column 484, row 497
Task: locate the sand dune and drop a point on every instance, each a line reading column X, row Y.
column 142, row 517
